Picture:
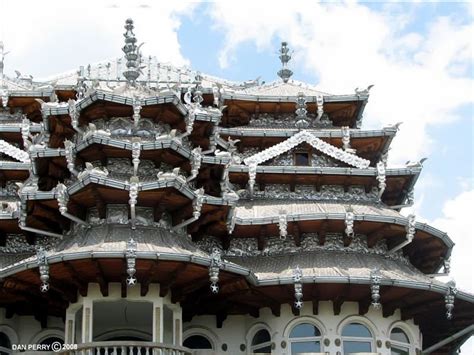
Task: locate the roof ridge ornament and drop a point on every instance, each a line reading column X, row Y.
column 132, row 53
column 2, row 59
column 284, row 73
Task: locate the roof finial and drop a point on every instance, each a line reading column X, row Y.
column 2, row 58
column 285, row 57
column 132, row 53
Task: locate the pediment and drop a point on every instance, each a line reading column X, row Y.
column 317, row 143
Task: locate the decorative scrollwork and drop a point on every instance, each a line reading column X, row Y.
column 69, row 153
column 196, row 159
column 62, row 197
column 73, row 113
column 136, row 150
column 198, row 202
column 349, row 223
column 346, row 138
column 315, row 142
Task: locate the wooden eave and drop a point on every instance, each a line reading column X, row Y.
column 398, row 184
column 342, row 111
column 188, row 283
column 26, row 101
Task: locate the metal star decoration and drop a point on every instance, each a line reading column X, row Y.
column 44, row 287
column 214, row 288
column 131, row 281
column 298, row 304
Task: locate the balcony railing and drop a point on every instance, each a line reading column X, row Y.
column 127, row 348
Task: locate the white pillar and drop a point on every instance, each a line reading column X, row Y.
column 70, row 327
column 87, row 317
column 157, row 313
column 177, row 325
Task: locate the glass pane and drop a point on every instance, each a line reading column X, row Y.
column 400, row 351
column 304, row 330
column 356, row 330
column 197, row 342
column 261, row 337
column 356, row 347
column 399, row 335
column 301, row 158
column 264, row 350
column 305, row 347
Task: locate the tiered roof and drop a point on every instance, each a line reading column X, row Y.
column 203, row 175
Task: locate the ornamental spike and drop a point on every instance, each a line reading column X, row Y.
column 132, row 53
column 43, row 269
column 449, row 298
column 298, row 285
column 375, row 278
column 284, row 73
column 214, row 268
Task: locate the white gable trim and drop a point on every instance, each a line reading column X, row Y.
column 315, row 142
column 14, row 152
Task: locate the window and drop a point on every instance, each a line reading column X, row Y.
column 261, row 342
column 305, row 338
column 400, row 342
column 197, row 342
column 356, row 338
column 302, row 158
column 5, row 344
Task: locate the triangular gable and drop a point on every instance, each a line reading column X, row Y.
column 14, row 152
column 315, row 142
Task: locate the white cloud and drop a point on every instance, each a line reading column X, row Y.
column 62, row 35
column 417, row 76
column 457, row 222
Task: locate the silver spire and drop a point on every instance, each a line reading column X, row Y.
column 132, row 53
column 284, row 73
column 2, row 58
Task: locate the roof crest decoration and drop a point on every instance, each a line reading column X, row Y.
column 315, row 142
column 14, row 152
column 284, row 73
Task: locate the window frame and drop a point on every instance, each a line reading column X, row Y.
column 398, row 344
column 261, row 345
column 305, row 339
column 355, row 339
column 303, row 151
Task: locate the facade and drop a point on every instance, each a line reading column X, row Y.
column 148, row 207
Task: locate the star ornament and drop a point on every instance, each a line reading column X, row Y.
column 44, row 287
column 131, row 281
column 214, row 288
column 298, row 304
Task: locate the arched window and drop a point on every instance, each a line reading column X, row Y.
column 400, row 342
column 305, row 338
column 261, row 342
column 197, row 342
column 356, row 338
column 5, row 344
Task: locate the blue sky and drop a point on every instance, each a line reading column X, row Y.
column 418, row 55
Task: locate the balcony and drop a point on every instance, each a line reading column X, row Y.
column 127, row 348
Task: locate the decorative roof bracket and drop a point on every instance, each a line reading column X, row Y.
column 131, row 257
column 301, row 111
column 411, row 231
column 381, row 178
column 349, row 223
column 450, row 298
column 375, row 278
column 133, row 197
column 74, row 113
column 214, row 269
column 283, row 225
column 62, row 197
column 43, row 269
column 297, row 282
column 136, row 151
column 196, row 159
column 70, row 156
column 320, row 105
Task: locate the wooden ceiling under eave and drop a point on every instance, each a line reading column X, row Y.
column 238, row 112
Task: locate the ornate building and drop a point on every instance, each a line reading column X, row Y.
column 148, row 207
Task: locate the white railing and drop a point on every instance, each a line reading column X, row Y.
column 127, row 348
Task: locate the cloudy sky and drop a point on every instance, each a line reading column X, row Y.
column 418, row 56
